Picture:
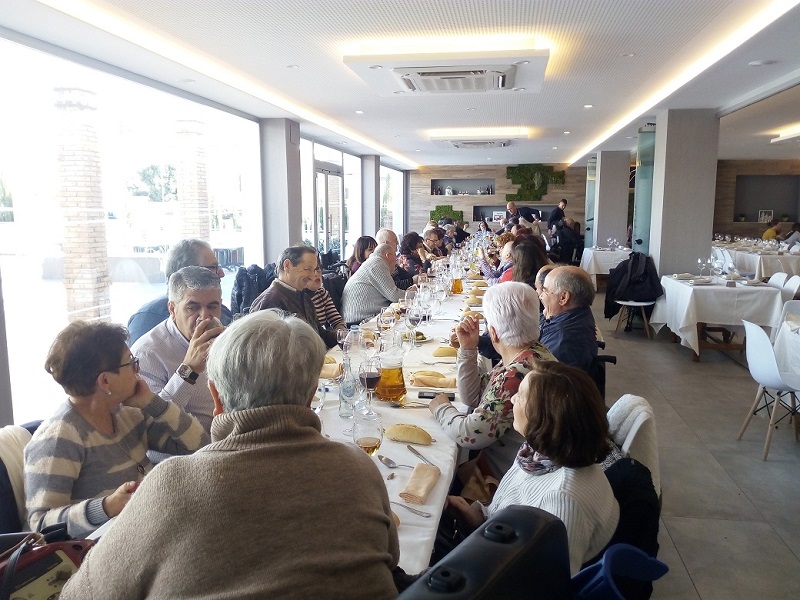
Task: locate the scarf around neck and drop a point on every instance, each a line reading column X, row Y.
column 534, row 463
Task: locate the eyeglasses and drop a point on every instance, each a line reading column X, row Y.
column 544, row 290
column 134, row 363
column 213, row 268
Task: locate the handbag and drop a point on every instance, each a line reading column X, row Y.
column 37, row 565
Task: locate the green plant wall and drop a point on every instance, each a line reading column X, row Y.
column 446, row 210
column 533, row 180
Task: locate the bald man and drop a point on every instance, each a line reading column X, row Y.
column 402, row 278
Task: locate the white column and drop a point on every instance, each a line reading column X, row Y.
column 611, row 206
column 684, row 180
column 371, row 194
column 280, row 184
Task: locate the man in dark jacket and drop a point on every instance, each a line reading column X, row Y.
column 568, row 329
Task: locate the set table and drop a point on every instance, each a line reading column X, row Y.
column 764, row 263
column 600, row 261
column 690, row 311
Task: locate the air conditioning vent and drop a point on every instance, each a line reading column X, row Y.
column 480, row 144
column 450, row 80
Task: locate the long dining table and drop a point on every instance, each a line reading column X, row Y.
column 763, row 263
column 691, row 310
column 417, row 534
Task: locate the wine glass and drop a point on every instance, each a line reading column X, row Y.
column 410, row 296
column 386, row 319
column 344, row 339
column 701, row 263
column 369, row 374
column 413, row 319
column 318, row 400
column 368, row 432
column 441, row 294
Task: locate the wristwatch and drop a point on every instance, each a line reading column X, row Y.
column 186, row 373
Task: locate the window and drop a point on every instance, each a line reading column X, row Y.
column 392, row 191
column 101, row 175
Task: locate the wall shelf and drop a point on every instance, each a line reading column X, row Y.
column 462, row 185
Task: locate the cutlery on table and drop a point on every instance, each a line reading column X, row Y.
column 390, row 463
column 421, row 513
column 416, row 453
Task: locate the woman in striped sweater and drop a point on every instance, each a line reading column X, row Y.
column 563, row 419
column 327, row 313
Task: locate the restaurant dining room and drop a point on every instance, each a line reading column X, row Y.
column 419, row 299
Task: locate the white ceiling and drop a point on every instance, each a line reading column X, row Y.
column 613, row 54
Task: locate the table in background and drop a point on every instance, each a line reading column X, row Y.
column 417, row 534
column 597, row 261
column 687, row 310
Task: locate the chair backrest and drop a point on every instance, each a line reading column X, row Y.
column 597, row 582
column 728, row 258
column 13, row 440
column 520, row 552
column 778, row 280
column 632, row 425
column 791, row 288
column 761, row 358
column 790, row 307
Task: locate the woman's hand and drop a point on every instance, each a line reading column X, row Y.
column 115, row 502
column 472, row 514
column 142, row 394
column 437, row 401
column 468, row 332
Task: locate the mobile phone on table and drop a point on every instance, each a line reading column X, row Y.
column 423, row 395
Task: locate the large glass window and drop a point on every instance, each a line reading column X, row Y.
column 98, row 176
column 392, row 190
column 352, row 203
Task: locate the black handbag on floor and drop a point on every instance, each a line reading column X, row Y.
column 37, row 565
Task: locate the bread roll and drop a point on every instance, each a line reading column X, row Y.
column 477, row 292
column 403, row 432
column 428, row 373
column 480, row 284
column 444, row 351
column 329, row 360
column 396, row 519
column 473, row 301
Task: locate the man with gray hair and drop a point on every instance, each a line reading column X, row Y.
column 266, row 476
column 372, row 287
column 296, row 268
column 172, row 356
column 568, row 328
column 185, row 253
column 402, row 278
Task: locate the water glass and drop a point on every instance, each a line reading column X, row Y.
column 318, row 401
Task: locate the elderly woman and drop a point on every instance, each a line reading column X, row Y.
column 270, row 509
column 562, row 417
column 512, row 317
column 84, row 463
column 363, row 247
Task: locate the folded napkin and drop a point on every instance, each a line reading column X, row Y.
column 421, row 482
column 330, row 371
column 433, row 381
column 752, row 282
column 682, row 276
column 700, row 281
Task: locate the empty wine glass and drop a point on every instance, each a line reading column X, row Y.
column 318, row 400
column 369, row 374
column 386, row 319
column 701, row 263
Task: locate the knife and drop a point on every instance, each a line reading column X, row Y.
column 416, row 453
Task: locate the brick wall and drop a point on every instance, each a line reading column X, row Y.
column 86, row 275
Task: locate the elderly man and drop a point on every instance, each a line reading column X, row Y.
column 186, row 253
column 525, row 215
column 568, row 329
column 371, row 288
column 402, row 278
column 172, row 356
column 296, row 269
column 314, row 523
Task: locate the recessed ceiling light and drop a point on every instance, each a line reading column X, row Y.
column 488, row 158
column 398, row 92
column 416, row 150
column 554, row 148
column 375, row 67
column 567, row 132
column 292, row 66
column 517, row 89
column 397, row 136
column 470, row 109
column 359, row 112
column 522, row 62
column 628, row 137
column 761, row 63
column 342, row 143
column 588, row 106
column 628, row 55
column 187, row 80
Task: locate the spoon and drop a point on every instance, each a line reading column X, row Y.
column 421, row 513
column 390, row 463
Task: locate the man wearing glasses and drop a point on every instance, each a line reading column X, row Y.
column 186, row 253
column 172, row 356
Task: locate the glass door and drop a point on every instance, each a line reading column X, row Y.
column 328, row 210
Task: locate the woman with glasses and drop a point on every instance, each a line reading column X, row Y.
column 84, row 463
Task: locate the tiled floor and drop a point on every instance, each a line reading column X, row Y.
column 730, row 527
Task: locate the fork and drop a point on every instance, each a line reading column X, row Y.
column 421, row 513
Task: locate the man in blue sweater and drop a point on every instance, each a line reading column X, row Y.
column 568, row 329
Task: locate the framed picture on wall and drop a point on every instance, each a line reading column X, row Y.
column 498, row 215
column 764, row 216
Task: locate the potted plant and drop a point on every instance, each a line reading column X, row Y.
column 741, row 217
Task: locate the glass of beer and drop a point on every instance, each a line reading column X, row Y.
column 368, row 432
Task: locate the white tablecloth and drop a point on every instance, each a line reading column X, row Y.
column 600, row 262
column 765, row 265
column 417, row 534
column 683, row 306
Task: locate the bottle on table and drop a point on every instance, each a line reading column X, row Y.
column 348, row 390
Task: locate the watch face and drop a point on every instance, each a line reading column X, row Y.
column 184, row 371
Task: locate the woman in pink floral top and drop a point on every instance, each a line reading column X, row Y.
column 512, row 317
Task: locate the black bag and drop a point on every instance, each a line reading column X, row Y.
column 248, row 285
column 37, row 565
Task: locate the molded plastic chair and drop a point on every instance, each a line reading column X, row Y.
column 629, row 310
column 597, row 581
column 632, row 425
column 790, row 307
column 778, row 280
column 764, row 369
column 791, row 288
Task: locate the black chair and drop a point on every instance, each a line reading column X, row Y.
column 520, row 552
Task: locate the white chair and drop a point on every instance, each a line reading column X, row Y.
column 778, row 280
column 791, row 307
column 13, row 440
column 632, row 425
column 764, row 370
column 629, row 309
column 791, row 288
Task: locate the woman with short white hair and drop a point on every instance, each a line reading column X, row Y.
column 270, row 509
column 512, row 321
